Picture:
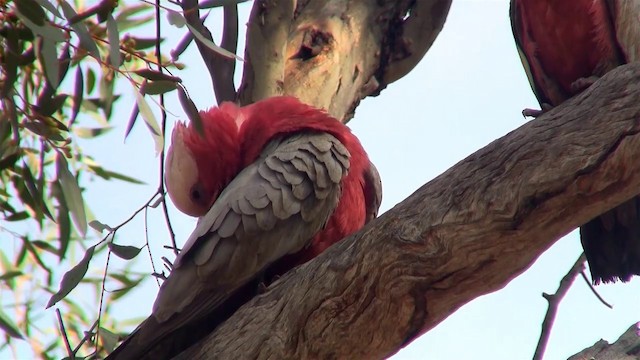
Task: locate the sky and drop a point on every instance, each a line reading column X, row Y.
column 468, row 91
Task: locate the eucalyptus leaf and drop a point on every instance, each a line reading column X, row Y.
column 72, row 278
column 72, row 194
column 114, row 41
column 152, row 123
column 124, row 251
column 9, row 327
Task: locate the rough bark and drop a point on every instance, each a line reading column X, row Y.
column 332, row 53
column 627, row 347
column 464, row 234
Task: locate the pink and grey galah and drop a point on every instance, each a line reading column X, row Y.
column 565, row 46
column 274, row 184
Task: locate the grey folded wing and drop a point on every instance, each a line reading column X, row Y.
column 272, row 208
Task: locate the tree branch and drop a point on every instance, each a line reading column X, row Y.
column 334, row 53
column 464, row 234
column 221, row 69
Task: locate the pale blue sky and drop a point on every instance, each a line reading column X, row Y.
column 467, row 91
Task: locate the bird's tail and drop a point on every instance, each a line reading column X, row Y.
column 611, row 243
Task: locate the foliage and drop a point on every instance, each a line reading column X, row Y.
column 59, row 66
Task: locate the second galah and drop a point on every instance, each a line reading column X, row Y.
column 274, row 183
column 565, row 46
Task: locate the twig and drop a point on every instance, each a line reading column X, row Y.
column 554, row 302
column 172, row 235
column 63, row 332
column 87, row 336
column 146, row 239
column 104, row 281
column 584, row 276
column 220, row 68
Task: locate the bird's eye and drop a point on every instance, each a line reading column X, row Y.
column 197, row 193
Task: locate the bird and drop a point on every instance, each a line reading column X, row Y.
column 565, row 46
column 273, row 185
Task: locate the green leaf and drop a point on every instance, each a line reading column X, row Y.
column 144, row 43
column 100, row 227
column 49, row 60
column 10, row 275
column 47, row 31
column 176, row 19
column 211, row 45
column 86, row 41
column 155, row 75
column 91, row 80
column 72, row 278
column 31, row 10
column 30, row 183
column 43, row 245
column 8, row 326
column 72, row 194
column 124, row 251
column 207, row 4
column 88, row 133
column 109, row 340
column 132, row 120
column 62, row 218
column 158, row 87
column 17, row 216
column 108, row 175
column 78, row 90
column 49, row 6
column 114, row 42
column 150, row 120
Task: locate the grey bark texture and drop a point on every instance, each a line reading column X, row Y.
column 464, row 234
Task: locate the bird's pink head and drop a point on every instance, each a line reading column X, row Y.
column 199, row 167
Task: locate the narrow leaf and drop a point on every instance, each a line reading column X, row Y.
column 88, row 133
column 207, row 4
column 78, row 92
column 91, row 80
column 132, row 120
column 46, row 53
column 175, row 18
column 150, row 120
column 158, row 87
column 31, row 10
column 155, row 75
column 72, row 278
column 72, row 194
column 114, row 41
column 49, row 6
column 124, row 251
column 98, row 226
column 211, row 45
column 8, row 326
column 86, row 41
column 108, row 339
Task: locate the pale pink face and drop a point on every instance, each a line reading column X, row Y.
column 199, row 167
column 182, row 176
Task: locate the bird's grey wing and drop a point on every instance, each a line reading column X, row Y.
column 272, row 208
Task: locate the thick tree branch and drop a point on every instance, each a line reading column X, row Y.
column 334, row 53
column 464, row 234
column 627, row 347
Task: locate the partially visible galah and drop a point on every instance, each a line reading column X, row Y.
column 565, row 46
column 275, row 184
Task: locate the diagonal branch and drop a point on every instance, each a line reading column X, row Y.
column 464, row 234
column 221, row 69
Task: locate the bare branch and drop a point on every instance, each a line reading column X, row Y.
column 464, row 234
column 594, row 291
column 627, row 347
column 220, row 68
column 554, row 303
column 63, row 333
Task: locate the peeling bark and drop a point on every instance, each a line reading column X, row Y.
column 462, row 235
column 334, row 53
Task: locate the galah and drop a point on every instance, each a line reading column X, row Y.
column 565, row 46
column 274, row 183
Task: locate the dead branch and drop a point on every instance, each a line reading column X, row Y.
column 627, row 347
column 554, row 303
column 464, row 234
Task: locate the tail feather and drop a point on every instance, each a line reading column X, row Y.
column 611, row 243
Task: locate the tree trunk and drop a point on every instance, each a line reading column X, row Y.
column 462, row 235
